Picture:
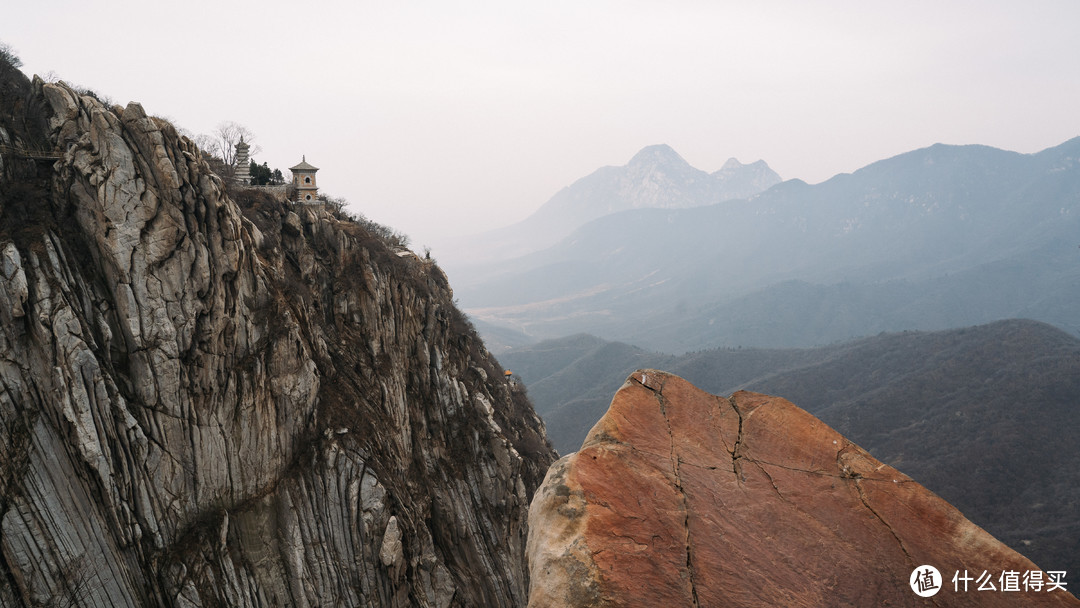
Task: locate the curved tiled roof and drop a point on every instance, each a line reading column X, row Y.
column 303, row 166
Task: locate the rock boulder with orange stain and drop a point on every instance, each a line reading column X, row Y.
column 682, row 498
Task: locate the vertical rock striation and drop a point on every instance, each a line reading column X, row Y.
column 217, row 400
column 682, row 498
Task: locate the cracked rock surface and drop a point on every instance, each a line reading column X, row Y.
column 682, row 498
column 200, row 407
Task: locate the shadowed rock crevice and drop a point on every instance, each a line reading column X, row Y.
column 736, row 454
column 806, row 519
column 772, row 481
column 866, row 503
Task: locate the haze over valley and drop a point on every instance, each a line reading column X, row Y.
column 941, row 237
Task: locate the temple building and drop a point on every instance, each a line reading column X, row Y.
column 303, row 177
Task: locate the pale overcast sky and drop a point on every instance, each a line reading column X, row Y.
column 460, row 116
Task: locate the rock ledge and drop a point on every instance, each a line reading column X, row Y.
column 682, row 498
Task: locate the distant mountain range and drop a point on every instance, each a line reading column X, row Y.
column 655, row 178
column 940, row 237
column 985, row 416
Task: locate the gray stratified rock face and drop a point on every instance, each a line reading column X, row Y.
column 198, row 408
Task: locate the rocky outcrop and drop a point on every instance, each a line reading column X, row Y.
column 212, row 399
column 682, row 498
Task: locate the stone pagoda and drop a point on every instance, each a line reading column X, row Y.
column 243, row 163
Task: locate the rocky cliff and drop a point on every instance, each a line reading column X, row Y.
column 682, row 498
column 215, row 399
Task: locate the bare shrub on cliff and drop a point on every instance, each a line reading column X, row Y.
column 105, row 100
column 219, row 147
column 338, row 208
column 204, row 142
column 225, row 137
column 9, row 56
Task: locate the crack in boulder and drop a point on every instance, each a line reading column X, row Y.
column 676, row 460
column 736, row 467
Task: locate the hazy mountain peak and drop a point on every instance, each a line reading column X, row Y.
column 657, row 154
column 732, row 164
column 745, row 180
column 657, row 177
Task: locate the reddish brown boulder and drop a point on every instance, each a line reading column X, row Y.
column 682, row 498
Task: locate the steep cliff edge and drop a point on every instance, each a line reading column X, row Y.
column 682, row 498
column 213, row 403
